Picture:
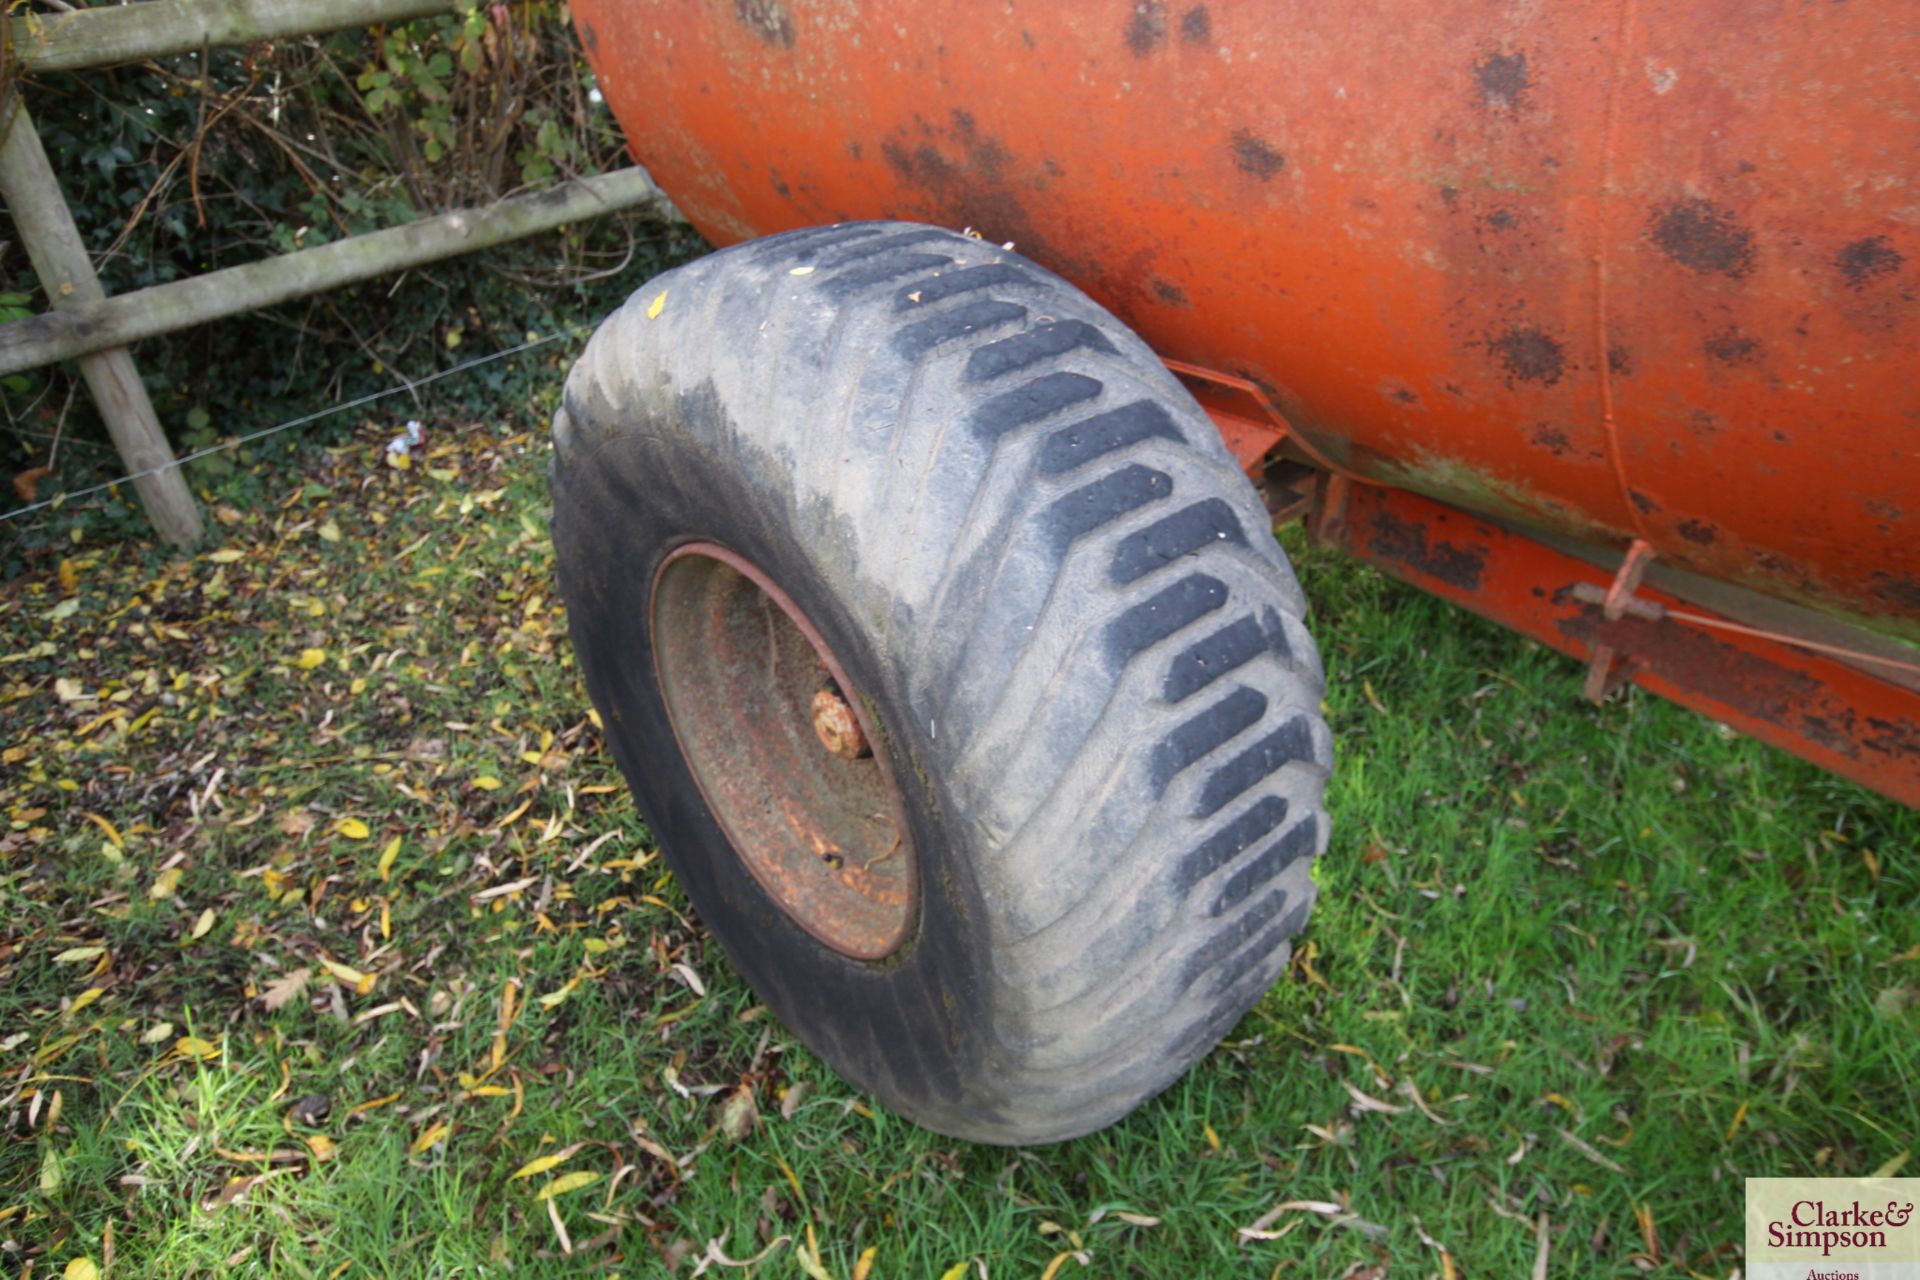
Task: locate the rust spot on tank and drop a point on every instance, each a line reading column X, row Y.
column 1196, row 25
column 1897, row 589
column 1406, row 542
column 1147, row 29
column 1254, row 156
column 1450, row 197
column 1502, row 78
column 1170, row 293
column 923, row 165
column 1502, row 220
column 767, row 19
column 1730, row 346
column 1551, row 438
column 1897, row 738
column 1698, row 661
column 1705, row 425
column 1698, row 532
column 1865, row 261
column 1619, row 360
column 1642, row 503
column 589, row 37
column 966, row 179
column 1530, row 355
column 1703, row 236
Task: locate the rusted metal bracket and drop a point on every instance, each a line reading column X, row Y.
column 1608, row 669
column 1327, row 521
column 1276, row 421
column 1810, row 698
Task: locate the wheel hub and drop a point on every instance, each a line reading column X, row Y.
column 782, row 749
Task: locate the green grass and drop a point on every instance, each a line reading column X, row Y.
column 1598, row 964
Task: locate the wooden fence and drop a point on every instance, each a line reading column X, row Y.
column 86, row 325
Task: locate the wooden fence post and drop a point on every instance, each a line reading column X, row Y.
column 32, row 194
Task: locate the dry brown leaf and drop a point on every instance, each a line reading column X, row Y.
column 1590, row 1152
column 285, row 989
column 1365, row 1102
column 739, row 1115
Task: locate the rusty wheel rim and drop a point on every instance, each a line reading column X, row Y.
column 779, row 742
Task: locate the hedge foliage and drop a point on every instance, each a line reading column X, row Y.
column 194, row 162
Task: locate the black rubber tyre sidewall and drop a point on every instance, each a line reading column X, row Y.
column 618, row 514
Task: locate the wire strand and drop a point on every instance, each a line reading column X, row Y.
column 61, row 499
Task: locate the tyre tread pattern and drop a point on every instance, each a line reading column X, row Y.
column 1108, row 668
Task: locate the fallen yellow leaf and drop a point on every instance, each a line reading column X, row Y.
column 81, row 1268
column 352, row 828
column 349, row 976
column 534, row 1168
column 569, row 1181
column 113, row 832
column 487, row 782
column 195, row 1047
column 658, row 305
column 202, row 925
column 310, row 658
column 432, row 1135
column 372, row 1105
column 1059, row 1260
column 553, row 999
column 165, row 885
column 227, row 555
column 387, row 855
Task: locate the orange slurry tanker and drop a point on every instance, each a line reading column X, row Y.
column 922, row 577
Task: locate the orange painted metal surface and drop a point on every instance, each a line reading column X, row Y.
column 1826, row 711
column 1632, row 272
column 1632, row 268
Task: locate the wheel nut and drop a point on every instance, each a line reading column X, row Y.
column 838, row 728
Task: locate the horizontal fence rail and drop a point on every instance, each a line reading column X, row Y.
column 154, row 28
column 180, row 304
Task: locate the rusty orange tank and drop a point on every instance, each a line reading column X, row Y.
column 1548, row 300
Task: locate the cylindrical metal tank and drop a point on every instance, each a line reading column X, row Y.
column 1608, row 269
